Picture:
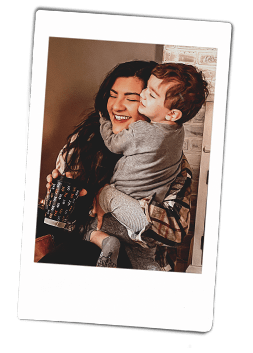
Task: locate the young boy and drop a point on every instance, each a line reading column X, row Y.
column 152, row 151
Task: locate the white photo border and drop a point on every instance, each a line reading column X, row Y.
column 135, row 298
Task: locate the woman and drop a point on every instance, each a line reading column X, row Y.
column 86, row 157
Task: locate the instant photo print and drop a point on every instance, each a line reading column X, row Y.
column 71, row 58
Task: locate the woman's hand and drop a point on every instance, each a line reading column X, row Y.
column 50, row 177
column 55, row 174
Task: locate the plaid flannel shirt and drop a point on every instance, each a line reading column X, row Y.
column 171, row 218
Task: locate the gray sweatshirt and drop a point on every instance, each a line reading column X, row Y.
column 151, row 160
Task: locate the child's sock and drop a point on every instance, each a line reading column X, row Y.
column 110, row 252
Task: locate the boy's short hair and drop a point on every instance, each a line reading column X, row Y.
column 189, row 92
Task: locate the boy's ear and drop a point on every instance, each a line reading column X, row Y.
column 173, row 115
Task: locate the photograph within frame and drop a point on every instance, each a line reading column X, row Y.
column 72, row 83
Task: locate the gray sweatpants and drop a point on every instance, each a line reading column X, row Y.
column 126, row 210
column 140, row 258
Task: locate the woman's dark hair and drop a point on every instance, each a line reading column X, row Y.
column 85, row 152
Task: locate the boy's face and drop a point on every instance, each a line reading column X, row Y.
column 153, row 98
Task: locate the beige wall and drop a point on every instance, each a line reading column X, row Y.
column 76, row 68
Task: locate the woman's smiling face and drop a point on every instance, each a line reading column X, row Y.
column 124, row 101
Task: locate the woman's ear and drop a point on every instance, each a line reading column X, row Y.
column 173, row 115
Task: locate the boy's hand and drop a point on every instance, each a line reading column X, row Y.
column 97, row 210
column 101, row 116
